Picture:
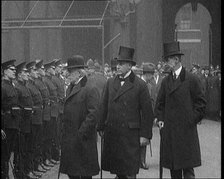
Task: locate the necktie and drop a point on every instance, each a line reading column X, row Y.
column 174, row 76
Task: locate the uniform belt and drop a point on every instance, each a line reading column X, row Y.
column 28, row 109
column 16, row 108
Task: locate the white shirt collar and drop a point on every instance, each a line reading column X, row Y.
column 127, row 74
column 77, row 82
column 178, row 71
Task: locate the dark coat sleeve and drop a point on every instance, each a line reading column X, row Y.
column 103, row 107
column 160, row 102
column 88, row 126
column 147, row 112
column 198, row 99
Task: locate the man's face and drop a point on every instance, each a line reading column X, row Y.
column 51, row 71
column 33, row 73
column 41, row 71
column 172, row 61
column 10, row 72
column 24, row 75
column 123, row 68
column 58, row 69
column 73, row 75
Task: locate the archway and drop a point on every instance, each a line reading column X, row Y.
column 194, row 34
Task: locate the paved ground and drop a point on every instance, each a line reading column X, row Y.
column 210, row 141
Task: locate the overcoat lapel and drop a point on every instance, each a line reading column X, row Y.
column 177, row 83
column 126, row 87
column 116, row 84
column 75, row 90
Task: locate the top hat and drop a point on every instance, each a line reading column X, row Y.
column 31, row 65
column 7, row 64
column 148, row 68
column 126, row 54
column 21, row 67
column 49, row 65
column 171, row 49
column 77, row 61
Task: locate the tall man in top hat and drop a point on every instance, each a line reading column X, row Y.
column 10, row 114
column 126, row 118
column 79, row 157
column 180, row 106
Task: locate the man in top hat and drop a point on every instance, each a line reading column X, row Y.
column 10, row 114
column 23, row 153
column 46, row 140
column 125, row 118
column 180, row 107
column 79, row 157
column 54, row 111
column 37, row 120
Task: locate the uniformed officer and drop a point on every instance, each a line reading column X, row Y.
column 49, row 72
column 36, row 119
column 60, row 85
column 25, row 137
column 46, row 140
column 10, row 114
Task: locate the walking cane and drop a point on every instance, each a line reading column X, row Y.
column 150, row 148
column 160, row 156
column 101, row 152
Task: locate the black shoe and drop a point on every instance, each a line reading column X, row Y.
column 144, row 166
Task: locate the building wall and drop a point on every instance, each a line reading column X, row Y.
column 171, row 7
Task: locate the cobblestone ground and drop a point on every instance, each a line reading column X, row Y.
column 210, row 141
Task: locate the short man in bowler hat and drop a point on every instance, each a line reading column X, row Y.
column 180, row 107
column 126, row 118
column 79, row 156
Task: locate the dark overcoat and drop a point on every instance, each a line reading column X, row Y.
column 181, row 105
column 79, row 155
column 123, row 125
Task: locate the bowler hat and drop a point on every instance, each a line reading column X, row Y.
column 77, row 61
column 126, row 54
column 31, row 65
column 7, row 64
column 21, row 67
column 171, row 49
column 148, row 68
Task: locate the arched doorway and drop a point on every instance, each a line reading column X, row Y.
column 194, row 34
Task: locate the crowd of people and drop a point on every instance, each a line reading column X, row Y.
column 51, row 114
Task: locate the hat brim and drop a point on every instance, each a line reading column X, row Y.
column 172, row 54
column 127, row 60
